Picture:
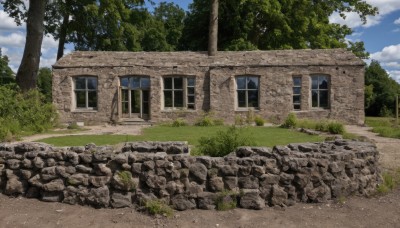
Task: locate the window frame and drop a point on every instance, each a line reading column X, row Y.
column 297, row 94
column 318, row 90
column 86, row 90
column 185, row 92
column 246, row 90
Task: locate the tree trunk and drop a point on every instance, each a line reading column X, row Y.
column 28, row 70
column 63, row 31
column 213, row 29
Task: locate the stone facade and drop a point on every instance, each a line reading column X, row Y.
column 215, row 84
column 254, row 177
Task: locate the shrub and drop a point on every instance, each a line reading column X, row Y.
column 224, row 142
column 207, row 120
column 335, row 128
column 290, row 121
column 259, row 121
column 239, row 120
column 24, row 112
column 158, row 207
column 179, row 123
column 321, row 125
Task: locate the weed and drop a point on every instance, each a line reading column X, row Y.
column 73, row 126
column 239, row 120
column 126, row 179
column 179, row 123
column 226, row 200
column 259, row 121
column 335, row 127
column 158, row 207
column 207, row 120
column 390, row 180
column 290, row 121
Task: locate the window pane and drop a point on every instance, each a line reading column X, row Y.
column 168, row 83
column 124, row 95
column 80, row 83
column 145, row 108
column 252, row 83
column 190, row 81
column 253, row 98
column 190, row 90
column 297, row 90
column 145, row 83
column 296, row 99
column 190, row 99
column 297, row 81
column 178, row 99
column 92, row 99
column 241, row 98
column 145, row 96
column 178, row 83
column 135, row 82
column 314, row 84
column 92, row 83
column 135, row 101
column 167, row 98
column 241, row 82
column 125, row 107
column 314, row 98
column 296, row 106
column 323, row 99
column 323, row 82
column 80, row 99
column 124, row 82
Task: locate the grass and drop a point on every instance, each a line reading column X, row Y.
column 262, row 136
column 384, row 126
column 390, row 180
column 158, row 207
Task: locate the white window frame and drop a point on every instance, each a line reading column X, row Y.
column 185, row 93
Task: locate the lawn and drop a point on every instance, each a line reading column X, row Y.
column 384, row 126
column 263, row 136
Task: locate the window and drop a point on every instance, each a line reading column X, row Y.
column 247, row 91
column 319, row 91
column 86, row 92
column 179, row 92
column 297, row 93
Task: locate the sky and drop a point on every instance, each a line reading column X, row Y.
column 381, row 36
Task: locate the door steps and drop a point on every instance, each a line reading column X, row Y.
column 134, row 121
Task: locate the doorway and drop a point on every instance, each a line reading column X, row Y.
column 134, row 97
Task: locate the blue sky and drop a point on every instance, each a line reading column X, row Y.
column 381, row 36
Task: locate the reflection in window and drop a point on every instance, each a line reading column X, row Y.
column 297, row 93
column 247, row 91
column 179, row 92
column 86, row 92
column 320, row 91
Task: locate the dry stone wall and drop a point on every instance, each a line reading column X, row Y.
column 254, row 177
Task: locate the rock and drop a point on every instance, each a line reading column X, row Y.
column 249, row 182
column 148, row 165
column 198, row 172
column 320, row 194
column 26, row 163
column 78, row 179
column 258, row 171
column 216, row 184
column 99, row 181
column 136, row 168
column 286, row 179
column 102, row 169
column 181, row 202
column 51, row 162
column 193, row 189
column 13, row 163
column 54, row 185
column 244, row 170
column 70, row 169
column 60, row 170
column 229, row 170
column 155, row 181
column 231, row 183
column 49, row 173
column 33, row 192
column 279, row 196
column 119, row 200
column 86, row 157
column 36, row 181
column 244, row 152
column 121, row 158
column 99, row 197
column 38, row 162
column 252, row 200
column 72, row 157
column 124, row 181
column 269, row 179
column 26, row 174
column 83, row 169
column 206, row 200
column 52, row 196
column 15, row 186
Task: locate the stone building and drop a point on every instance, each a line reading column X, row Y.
column 98, row 87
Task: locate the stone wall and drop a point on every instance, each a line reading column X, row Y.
column 255, row 177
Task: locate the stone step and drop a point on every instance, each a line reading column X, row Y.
column 134, row 121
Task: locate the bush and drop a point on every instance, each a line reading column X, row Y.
column 224, row 142
column 158, row 207
column 239, row 120
column 179, row 123
column 335, row 128
column 290, row 121
column 259, row 121
column 208, row 120
column 24, row 112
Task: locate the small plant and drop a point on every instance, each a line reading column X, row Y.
column 250, row 116
column 341, row 200
column 226, row 200
column 158, row 207
column 179, row 123
column 390, row 180
column 290, row 121
column 239, row 120
column 73, row 126
column 224, row 142
column 126, row 179
column 335, row 127
column 259, row 121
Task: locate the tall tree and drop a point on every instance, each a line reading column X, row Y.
column 6, row 74
column 274, row 24
column 28, row 69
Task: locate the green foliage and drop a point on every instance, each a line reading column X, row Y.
column 226, row 200
column 24, row 112
column 335, row 127
column 158, row 207
column 44, row 83
column 73, row 126
column 239, row 120
column 385, row 127
column 224, row 142
column 290, row 121
column 126, row 178
column 381, row 91
column 331, row 126
column 6, row 74
column 259, row 121
column 179, row 123
column 390, row 180
column 207, row 120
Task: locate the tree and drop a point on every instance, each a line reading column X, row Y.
column 28, row 69
column 44, row 83
column 384, row 91
column 6, row 74
column 274, row 24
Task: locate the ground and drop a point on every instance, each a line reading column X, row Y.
column 379, row 211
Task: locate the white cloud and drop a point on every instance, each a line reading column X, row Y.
column 397, row 22
column 7, row 23
column 353, row 20
column 395, row 74
column 13, row 39
column 388, row 54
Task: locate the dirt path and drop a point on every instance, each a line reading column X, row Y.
column 389, row 148
column 380, row 211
